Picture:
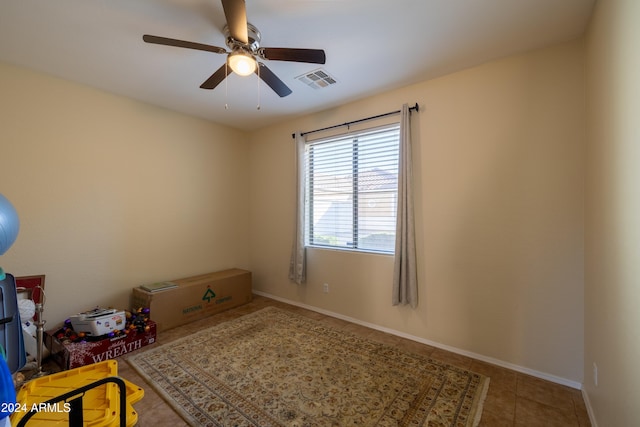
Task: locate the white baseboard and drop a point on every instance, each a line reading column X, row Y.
column 587, row 402
column 542, row 375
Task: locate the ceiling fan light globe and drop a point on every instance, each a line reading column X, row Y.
column 242, row 64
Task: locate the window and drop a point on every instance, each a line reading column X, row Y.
column 352, row 189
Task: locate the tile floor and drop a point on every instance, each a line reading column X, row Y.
column 514, row 399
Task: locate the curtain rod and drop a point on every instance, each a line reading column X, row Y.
column 414, row 108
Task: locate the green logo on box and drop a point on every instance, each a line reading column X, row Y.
column 208, row 295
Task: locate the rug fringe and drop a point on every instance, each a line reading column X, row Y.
column 480, row 404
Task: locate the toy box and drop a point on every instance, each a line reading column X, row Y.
column 70, row 355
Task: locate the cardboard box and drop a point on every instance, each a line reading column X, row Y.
column 70, row 355
column 195, row 297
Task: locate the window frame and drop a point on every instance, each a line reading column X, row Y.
column 356, row 192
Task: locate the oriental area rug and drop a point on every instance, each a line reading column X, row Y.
column 277, row 368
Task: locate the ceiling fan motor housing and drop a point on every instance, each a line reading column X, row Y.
column 252, row 46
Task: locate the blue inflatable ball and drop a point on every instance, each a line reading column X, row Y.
column 9, row 224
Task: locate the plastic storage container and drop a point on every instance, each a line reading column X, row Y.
column 100, row 405
column 11, row 338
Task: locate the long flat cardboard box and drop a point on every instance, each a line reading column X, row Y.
column 195, row 297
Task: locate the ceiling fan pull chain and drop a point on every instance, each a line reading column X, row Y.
column 226, row 85
column 258, row 108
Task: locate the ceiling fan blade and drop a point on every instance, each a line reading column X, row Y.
column 182, row 43
column 314, row 56
column 217, row 77
column 235, row 12
column 272, row 80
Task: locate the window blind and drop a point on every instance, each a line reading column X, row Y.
column 352, row 184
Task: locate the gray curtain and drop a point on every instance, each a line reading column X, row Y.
column 298, row 264
column 405, row 277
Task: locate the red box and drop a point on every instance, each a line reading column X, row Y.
column 72, row 355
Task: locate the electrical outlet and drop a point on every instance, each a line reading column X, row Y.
column 595, row 374
column 325, row 288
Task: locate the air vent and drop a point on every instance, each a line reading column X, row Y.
column 317, row 79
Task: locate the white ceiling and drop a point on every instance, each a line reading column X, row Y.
column 371, row 46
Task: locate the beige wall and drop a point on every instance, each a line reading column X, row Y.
column 112, row 193
column 498, row 163
column 612, row 232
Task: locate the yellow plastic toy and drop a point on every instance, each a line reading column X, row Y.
column 90, row 394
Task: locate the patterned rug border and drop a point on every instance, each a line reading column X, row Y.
column 476, row 408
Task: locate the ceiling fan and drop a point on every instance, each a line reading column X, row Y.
column 243, row 41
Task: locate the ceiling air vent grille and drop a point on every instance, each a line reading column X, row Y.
column 317, row 79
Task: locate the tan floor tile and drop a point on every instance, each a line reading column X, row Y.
column 311, row 314
column 453, row 359
column 500, row 377
column 334, row 322
column 160, row 415
column 545, row 392
column 383, row 338
column 495, row 419
column 500, row 401
column 530, row 413
column 416, row 347
column 581, row 409
column 359, row 330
